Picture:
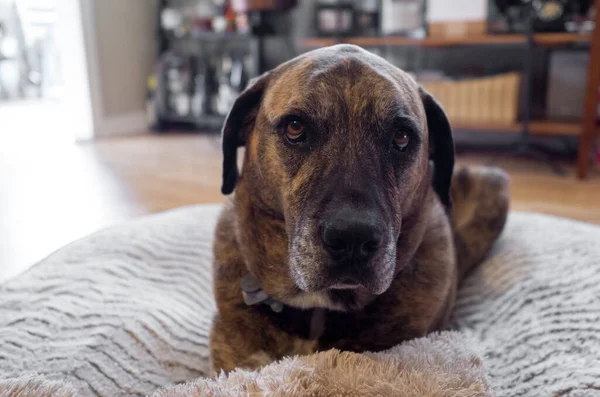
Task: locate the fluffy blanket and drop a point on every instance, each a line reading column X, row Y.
column 35, row 386
column 439, row 365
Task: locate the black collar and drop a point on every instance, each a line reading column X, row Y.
column 254, row 295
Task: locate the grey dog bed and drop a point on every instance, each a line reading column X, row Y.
column 128, row 309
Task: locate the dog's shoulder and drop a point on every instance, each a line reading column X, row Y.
column 228, row 264
column 437, row 240
column 226, row 225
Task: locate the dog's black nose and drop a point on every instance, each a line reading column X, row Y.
column 351, row 234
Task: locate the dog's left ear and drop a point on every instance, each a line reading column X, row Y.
column 238, row 124
column 441, row 147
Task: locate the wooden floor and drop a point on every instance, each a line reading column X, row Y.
column 53, row 194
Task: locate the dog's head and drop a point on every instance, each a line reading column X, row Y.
column 340, row 143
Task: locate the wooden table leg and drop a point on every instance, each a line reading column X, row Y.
column 588, row 133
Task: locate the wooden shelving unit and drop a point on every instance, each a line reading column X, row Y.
column 540, row 127
column 586, row 130
column 318, row 42
column 550, row 127
column 541, row 39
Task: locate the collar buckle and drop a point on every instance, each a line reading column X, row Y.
column 254, row 295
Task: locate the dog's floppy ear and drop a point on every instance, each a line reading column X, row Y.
column 238, row 124
column 441, row 147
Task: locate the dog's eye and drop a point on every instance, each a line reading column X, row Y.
column 401, row 140
column 295, row 130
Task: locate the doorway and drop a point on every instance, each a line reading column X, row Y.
column 44, row 85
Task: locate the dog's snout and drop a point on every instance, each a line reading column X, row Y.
column 351, row 235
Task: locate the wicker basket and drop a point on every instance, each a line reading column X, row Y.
column 483, row 100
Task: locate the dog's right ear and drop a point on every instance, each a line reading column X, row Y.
column 237, row 127
column 441, row 147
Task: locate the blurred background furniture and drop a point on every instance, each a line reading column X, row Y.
column 528, row 32
column 516, row 67
column 207, row 51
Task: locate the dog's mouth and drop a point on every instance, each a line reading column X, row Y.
column 372, row 279
column 343, row 286
column 345, row 283
column 341, row 293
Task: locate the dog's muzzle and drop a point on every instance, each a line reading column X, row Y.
column 352, row 237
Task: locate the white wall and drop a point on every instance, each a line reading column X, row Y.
column 120, row 47
column 126, row 52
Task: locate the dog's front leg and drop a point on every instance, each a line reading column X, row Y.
column 245, row 340
column 233, row 347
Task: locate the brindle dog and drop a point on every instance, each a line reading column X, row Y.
column 343, row 209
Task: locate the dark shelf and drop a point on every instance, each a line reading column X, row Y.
column 211, row 36
column 208, row 120
column 540, row 39
column 536, row 127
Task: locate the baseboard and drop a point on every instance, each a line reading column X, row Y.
column 134, row 123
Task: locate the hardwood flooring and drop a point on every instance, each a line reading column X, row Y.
column 52, row 194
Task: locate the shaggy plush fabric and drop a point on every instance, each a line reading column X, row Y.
column 127, row 310
column 35, row 386
column 439, row 365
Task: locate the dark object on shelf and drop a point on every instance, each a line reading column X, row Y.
column 207, row 54
column 200, row 91
column 405, row 18
column 367, row 18
column 172, row 92
column 511, row 16
column 566, row 84
column 525, row 146
column 335, row 18
column 340, row 18
column 262, row 5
